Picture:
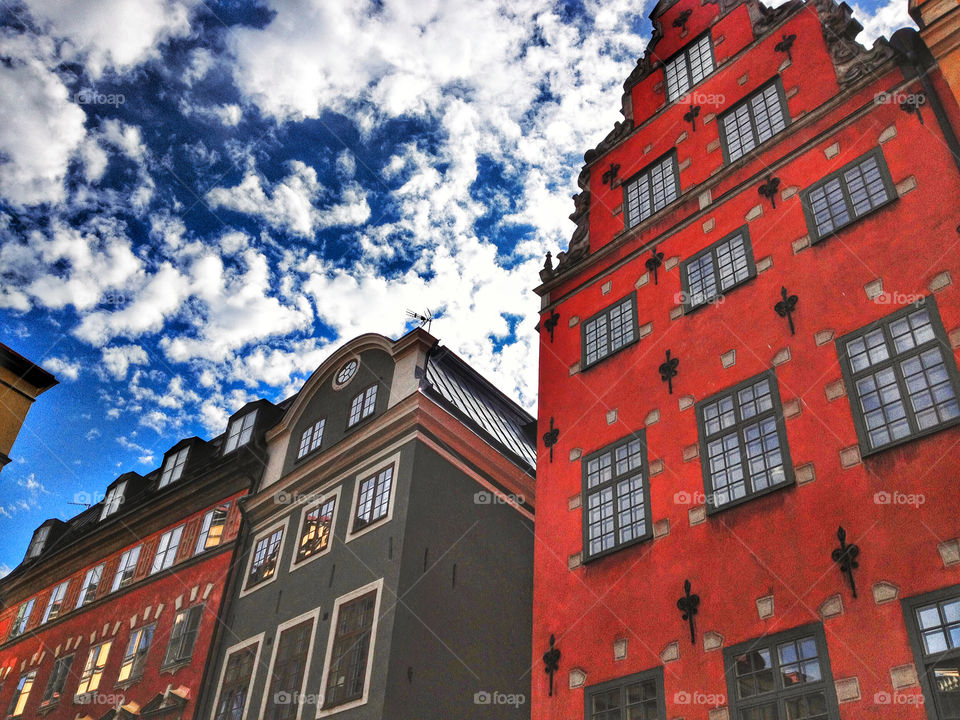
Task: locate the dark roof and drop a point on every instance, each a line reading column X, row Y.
column 26, row 369
column 481, row 406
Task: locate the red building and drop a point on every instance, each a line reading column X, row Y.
column 750, row 343
column 111, row 613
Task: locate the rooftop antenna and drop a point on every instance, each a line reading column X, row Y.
column 86, row 505
column 424, row 320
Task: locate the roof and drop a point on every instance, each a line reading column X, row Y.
column 481, row 406
column 26, row 370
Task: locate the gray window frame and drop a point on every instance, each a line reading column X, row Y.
column 655, row 674
column 849, row 378
column 59, row 675
column 745, row 100
column 770, row 642
column 685, row 53
column 909, row 606
column 877, row 152
column 712, row 250
column 632, row 297
column 645, row 171
column 640, row 435
column 184, row 655
column 776, row 413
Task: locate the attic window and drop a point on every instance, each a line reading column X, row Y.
column 114, row 498
column 311, row 438
column 363, row 405
column 38, row 541
column 173, row 467
column 240, row 432
column 688, row 67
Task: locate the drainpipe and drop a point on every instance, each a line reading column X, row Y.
column 917, row 62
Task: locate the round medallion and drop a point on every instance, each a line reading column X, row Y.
column 347, row 372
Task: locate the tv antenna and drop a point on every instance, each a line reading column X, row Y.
column 424, row 320
column 86, row 505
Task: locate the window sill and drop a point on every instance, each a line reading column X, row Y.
column 789, row 482
column 587, row 559
column 128, row 682
column 174, row 667
column 816, row 239
column 584, row 367
column 864, row 453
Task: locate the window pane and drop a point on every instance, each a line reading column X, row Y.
column 865, row 185
column 732, row 265
column 652, row 190
column 701, row 60
column 738, row 133
column 678, row 81
column 600, row 520
column 621, row 325
column 700, row 280
column 768, row 113
column 595, row 337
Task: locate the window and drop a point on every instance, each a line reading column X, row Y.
column 373, row 499
column 240, row 432
column 346, row 373
column 637, row 697
column 38, row 541
column 266, row 553
column 753, row 120
column 616, row 496
column 710, row 273
column 688, row 67
column 173, row 467
column 315, row 529
column 135, row 657
column 236, row 683
column 933, row 624
column 91, row 582
column 651, row 190
column 781, row 676
column 58, row 678
column 901, row 377
column 21, row 694
column 313, row 436
column 22, row 618
column 211, row 532
column 610, row 330
column 349, row 654
column 128, row 565
column 743, row 443
column 93, row 669
column 167, row 549
column 111, row 503
column 847, row 195
column 183, row 636
column 287, row 673
column 363, row 405
column 55, row 604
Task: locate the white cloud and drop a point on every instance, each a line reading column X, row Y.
column 62, row 368
column 884, row 22
column 117, row 360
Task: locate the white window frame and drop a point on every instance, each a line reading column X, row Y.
column 258, row 639
column 27, row 680
column 205, row 526
column 373, row 468
column 88, row 581
column 124, row 565
column 173, row 467
column 57, row 596
column 371, row 651
column 312, row 438
column 240, row 431
column 130, row 658
column 166, row 554
column 365, row 400
column 92, row 654
column 311, row 615
column 315, row 500
column 282, row 524
column 38, row 541
column 113, row 500
column 22, row 618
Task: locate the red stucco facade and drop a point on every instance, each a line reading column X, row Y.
column 763, row 566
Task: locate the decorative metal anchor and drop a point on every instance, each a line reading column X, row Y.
column 689, row 606
column 681, row 20
column 653, row 263
column 551, row 660
column 668, row 371
column 550, row 323
column 786, row 306
column 846, row 557
column 550, row 438
column 784, row 46
column 912, row 105
column 769, row 190
column 691, row 116
column 610, row 175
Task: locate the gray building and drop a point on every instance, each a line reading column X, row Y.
column 386, row 567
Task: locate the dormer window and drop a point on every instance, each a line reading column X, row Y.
column 240, row 432
column 38, row 542
column 173, row 468
column 114, row 498
column 688, row 67
column 363, row 405
column 311, row 438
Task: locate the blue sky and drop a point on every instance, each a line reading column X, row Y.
column 199, row 201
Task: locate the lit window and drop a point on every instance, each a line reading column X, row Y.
column 167, row 549
column 713, row 271
column 114, row 498
column 55, row 604
column 651, row 190
column 22, row 618
column 637, row 697
column 900, row 382
column 349, row 657
column 373, row 501
column 266, row 552
column 21, row 694
column 211, row 532
column 313, row 436
column 128, row 565
column 617, row 497
column 93, row 669
column 688, row 67
column 363, row 405
column 289, row 668
column 236, row 683
column 91, row 581
column 933, row 625
column 38, row 541
column 610, row 330
column 58, row 678
column 183, row 636
column 743, row 442
column 848, row 194
column 135, row 657
column 173, row 468
column 753, row 120
column 240, row 431
column 315, row 532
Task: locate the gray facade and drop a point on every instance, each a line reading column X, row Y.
column 448, row 554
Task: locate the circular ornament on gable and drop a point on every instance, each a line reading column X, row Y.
column 345, row 374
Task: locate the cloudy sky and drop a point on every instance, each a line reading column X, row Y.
column 199, row 201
